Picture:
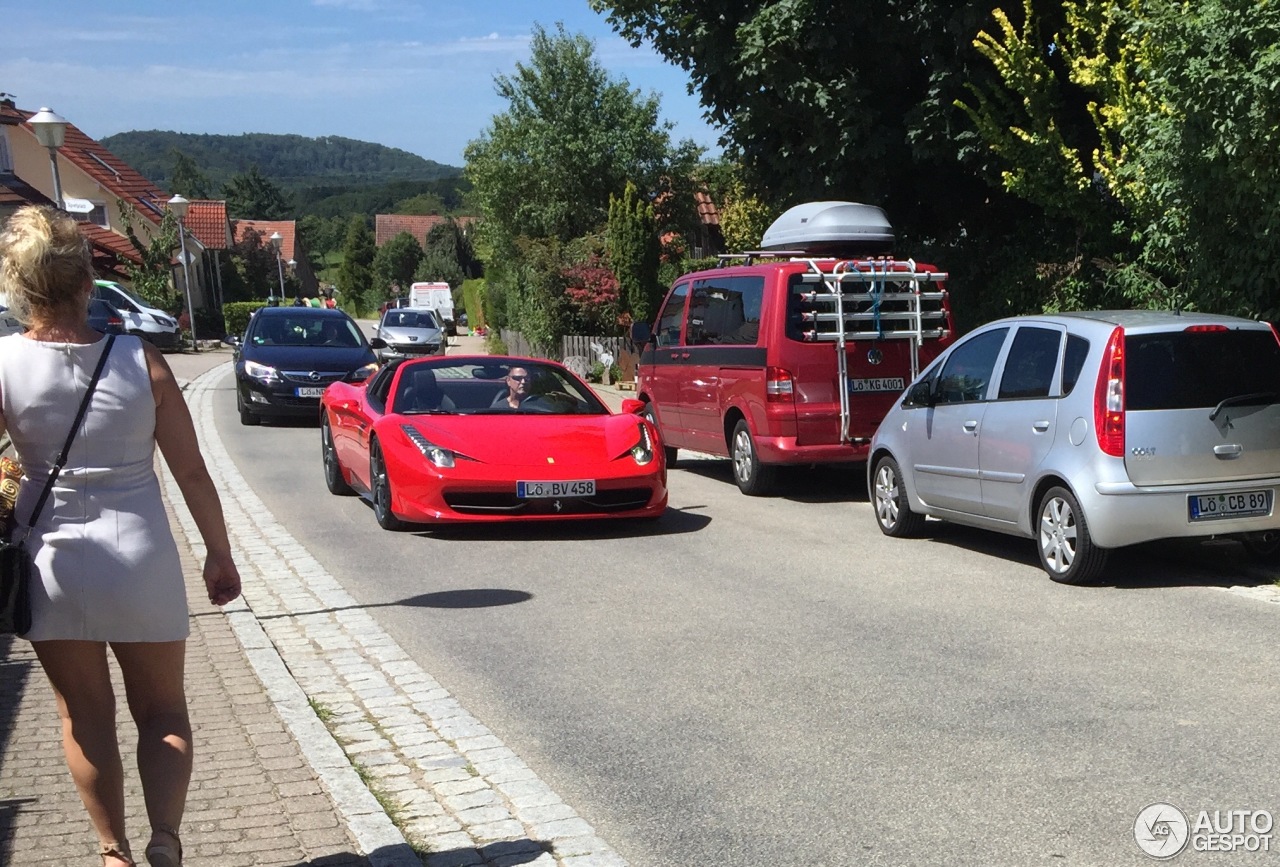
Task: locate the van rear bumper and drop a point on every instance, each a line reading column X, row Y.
column 1121, row 513
column 786, row 450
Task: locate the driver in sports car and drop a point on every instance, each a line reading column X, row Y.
column 517, row 390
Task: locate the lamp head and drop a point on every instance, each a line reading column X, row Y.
column 179, row 204
column 276, row 240
column 49, row 127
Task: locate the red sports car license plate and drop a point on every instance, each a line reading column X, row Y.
column 542, row 490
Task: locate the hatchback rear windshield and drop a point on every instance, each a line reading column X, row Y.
column 1193, row 369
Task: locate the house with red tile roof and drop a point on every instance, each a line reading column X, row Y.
column 387, row 226
column 98, row 189
column 293, row 253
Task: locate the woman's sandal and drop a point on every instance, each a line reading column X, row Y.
column 161, row 854
column 116, row 850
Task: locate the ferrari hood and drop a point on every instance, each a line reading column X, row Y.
column 531, row 440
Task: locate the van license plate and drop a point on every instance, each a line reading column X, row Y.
column 893, row 383
column 543, row 490
column 1246, row 504
column 310, row 391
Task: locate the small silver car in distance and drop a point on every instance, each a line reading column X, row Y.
column 1090, row 431
column 408, row 332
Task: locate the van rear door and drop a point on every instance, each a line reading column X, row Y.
column 1202, row 405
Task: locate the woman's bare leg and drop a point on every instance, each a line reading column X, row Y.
column 81, row 681
column 154, row 688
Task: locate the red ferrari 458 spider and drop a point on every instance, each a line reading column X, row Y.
column 488, row 438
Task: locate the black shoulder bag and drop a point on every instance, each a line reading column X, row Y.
column 15, row 561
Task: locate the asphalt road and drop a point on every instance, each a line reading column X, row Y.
column 772, row 682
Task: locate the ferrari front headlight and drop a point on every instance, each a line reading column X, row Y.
column 441, row 457
column 643, row 450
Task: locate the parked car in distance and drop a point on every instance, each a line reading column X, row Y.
column 1088, row 432
column 744, row 360
column 149, row 323
column 288, row 355
column 8, row 324
column 408, row 331
column 105, row 318
column 437, row 440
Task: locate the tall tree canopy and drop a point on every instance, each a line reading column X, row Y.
column 571, row 137
column 252, row 196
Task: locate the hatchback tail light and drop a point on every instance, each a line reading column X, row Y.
column 115, row 320
column 1108, row 399
column 1275, row 331
column 779, row 385
column 1203, row 329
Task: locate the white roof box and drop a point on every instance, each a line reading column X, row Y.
column 830, row 228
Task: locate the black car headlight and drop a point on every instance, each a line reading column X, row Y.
column 262, row 373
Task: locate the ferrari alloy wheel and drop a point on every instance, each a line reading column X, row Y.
column 754, row 478
column 380, row 487
column 893, row 512
column 1067, row 551
column 669, row 452
column 333, row 479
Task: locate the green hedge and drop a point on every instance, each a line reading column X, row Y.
column 236, row 314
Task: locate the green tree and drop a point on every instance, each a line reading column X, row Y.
column 153, row 278
column 187, row 179
column 252, row 196
column 253, row 273
column 355, row 276
column 422, row 204
column 570, row 137
column 632, row 239
column 396, row 261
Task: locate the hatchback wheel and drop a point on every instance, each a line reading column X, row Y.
column 669, row 452
column 754, row 478
column 1067, row 551
column 380, row 486
column 247, row 416
column 333, row 479
column 893, row 512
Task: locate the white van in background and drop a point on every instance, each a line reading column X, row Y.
column 140, row 318
column 437, row 297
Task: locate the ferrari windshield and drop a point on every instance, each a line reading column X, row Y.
column 492, row 386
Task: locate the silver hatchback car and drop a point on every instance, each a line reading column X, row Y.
column 1091, row 431
column 407, row 332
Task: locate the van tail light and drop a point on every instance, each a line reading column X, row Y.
column 779, row 385
column 1108, row 399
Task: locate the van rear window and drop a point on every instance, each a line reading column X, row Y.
column 1198, row 369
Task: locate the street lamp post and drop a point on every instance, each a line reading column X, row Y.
column 276, row 240
column 51, row 132
column 179, row 205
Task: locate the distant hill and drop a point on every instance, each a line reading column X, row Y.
column 292, row 162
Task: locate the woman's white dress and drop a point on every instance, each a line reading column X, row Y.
column 106, row 565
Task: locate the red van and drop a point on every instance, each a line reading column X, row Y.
column 793, row 360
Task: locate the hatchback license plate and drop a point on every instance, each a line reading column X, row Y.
column 310, row 391
column 1245, row 504
column 892, row 383
column 543, row 490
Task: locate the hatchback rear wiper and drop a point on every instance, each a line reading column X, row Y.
column 1256, row 397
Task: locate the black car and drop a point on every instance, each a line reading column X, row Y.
column 105, row 318
column 288, row 355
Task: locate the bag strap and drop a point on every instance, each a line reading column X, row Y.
column 75, row 427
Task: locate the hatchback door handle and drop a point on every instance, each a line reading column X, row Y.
column 971, row 427
column 1040, row 426
column 1228, row 451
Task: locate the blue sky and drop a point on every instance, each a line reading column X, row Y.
column 417, row 76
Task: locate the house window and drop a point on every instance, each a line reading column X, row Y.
column 6, row 161
column 87, row 211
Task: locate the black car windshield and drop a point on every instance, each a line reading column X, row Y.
column 408, row 319
column 296, row 330
column 496, row 386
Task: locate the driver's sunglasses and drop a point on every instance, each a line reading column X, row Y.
column 512, row 376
